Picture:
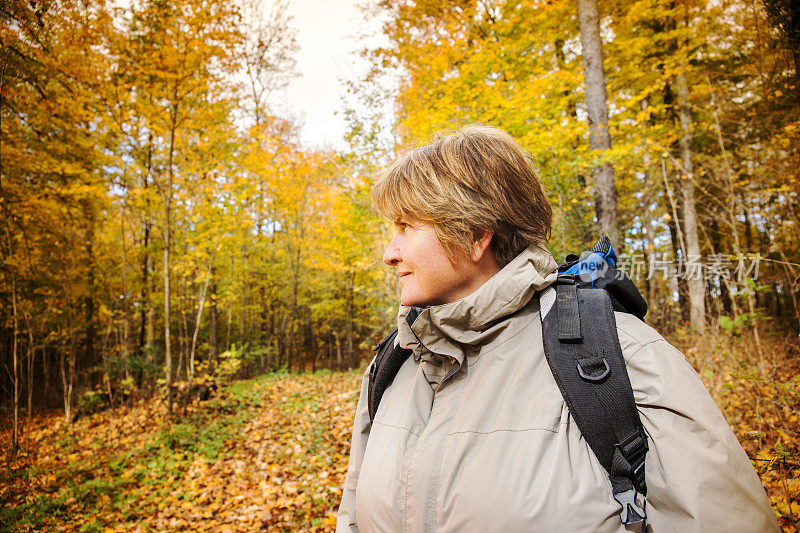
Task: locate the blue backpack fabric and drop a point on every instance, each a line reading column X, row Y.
column 597, row 269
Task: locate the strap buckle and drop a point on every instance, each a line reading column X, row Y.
column 565, row 279
column 632, row 512
column 627, row 478
column 634, row 449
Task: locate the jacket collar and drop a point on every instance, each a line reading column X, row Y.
column 448, row 329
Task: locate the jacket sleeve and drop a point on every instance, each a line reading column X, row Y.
column 698, row 476
column 346, row 518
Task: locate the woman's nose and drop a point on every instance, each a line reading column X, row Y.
column 392, row 254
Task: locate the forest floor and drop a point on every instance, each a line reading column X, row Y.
column 265, row 454
column 270, row 453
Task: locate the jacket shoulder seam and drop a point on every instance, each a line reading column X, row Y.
column 639, row 343
column 501, row 430
column 642, row 345
column 396, row 427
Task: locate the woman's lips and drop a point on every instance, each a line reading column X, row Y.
column 403, row 274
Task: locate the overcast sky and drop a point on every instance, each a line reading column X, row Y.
column 327, row 34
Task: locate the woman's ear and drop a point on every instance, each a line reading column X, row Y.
column 481, row 246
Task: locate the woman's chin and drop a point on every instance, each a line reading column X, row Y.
column 410, row 300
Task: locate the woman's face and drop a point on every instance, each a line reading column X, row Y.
column 426, row 275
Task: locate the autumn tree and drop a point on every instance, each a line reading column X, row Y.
column 50, row 192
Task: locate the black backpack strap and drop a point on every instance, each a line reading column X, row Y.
column 384, row 368
column 584, row 354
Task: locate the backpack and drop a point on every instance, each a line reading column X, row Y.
column 586, row 360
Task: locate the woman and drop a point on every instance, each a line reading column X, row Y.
column 473, row 434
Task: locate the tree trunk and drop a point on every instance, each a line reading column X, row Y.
column 748, row 227
column 605, row 191
column 200, row 311
column 15, row 352
column 339, row 362
column 167, row 345
column 676, row 237
column 89, row 303
column 64, row 387
column 243, row 313
column 14, row 346
column 350, row 311
column 183, row 326
column 167, row 224
column 147, row 313
column 46, row 376
column 68, row 377
column 125, row 302
column 150, row 333
column 31, row 346
column 229, row 312
column 314, row 347
column 330, row 353
column 697, row 313
column 647, row 215
column 212, row 317
column 295, row 309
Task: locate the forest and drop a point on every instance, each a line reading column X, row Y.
column 172, row 252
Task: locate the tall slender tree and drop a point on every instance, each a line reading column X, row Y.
column 696, row 282
column 605, row 189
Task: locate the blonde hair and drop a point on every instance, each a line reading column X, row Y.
column 465, row 183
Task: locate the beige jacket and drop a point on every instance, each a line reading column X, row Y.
column 473, row 435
